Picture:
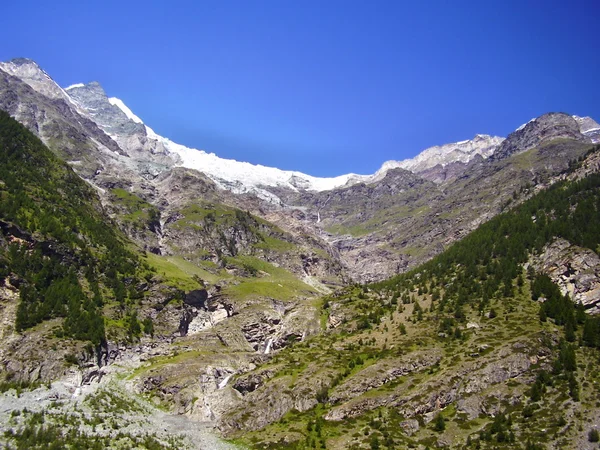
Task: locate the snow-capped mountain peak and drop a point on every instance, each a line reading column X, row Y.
column 463, row 151
column 115, row 118
column 29, row 72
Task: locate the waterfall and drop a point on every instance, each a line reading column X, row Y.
column 268, row 347
column 159, row 233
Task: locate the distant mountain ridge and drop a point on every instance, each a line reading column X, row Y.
column 129, row 131
column 373, row 225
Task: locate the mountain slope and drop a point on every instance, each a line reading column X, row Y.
column 474, row 347
column 203, row 291
column 402, row 220
column 58, row 253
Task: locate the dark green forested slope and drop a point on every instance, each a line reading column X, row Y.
column 56, row 244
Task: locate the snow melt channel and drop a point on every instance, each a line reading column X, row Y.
column 224, row 381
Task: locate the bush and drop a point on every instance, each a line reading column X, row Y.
column 593, row 435
column 439, row 424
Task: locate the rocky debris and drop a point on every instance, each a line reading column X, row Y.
column 574, row 269
column 67, row 396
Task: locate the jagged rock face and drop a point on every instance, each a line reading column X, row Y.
column 130, row 134
column 250, row 382
column 543, row 129
column 434, row 395
column 69, row 132
column 77, row 125
column 445, row 173
column 109, row 117
column 58, row 124
column 388, row 227
column 590, row 165
column 197, row 229
column 179, row 185
column 29, row 72
column 574, row 269
column 358, row 198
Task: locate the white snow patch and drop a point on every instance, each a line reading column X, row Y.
column 119, row 103
column 73, row 86
column 525, row 124
column 238, row 176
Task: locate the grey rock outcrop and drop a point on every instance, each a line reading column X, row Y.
column 574, row 269
column 537, row 131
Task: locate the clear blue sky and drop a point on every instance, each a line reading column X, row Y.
column 326, row 87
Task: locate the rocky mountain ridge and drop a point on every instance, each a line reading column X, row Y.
column 331, row 216
column 121, row 124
